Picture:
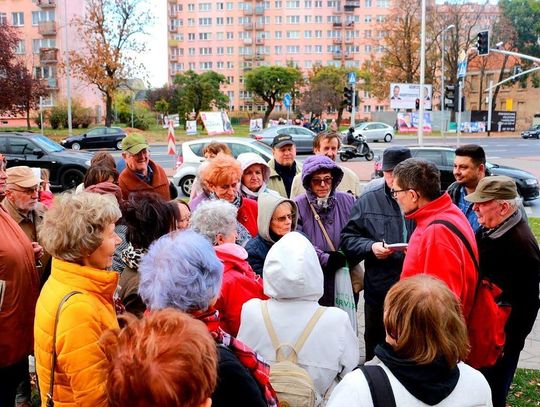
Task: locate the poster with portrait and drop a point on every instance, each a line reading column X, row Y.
column 191, row 127
column 404, row 95
column 255, row 125
column 408, row 122
column 216, row 123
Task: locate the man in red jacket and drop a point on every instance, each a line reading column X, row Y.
column 434, row 248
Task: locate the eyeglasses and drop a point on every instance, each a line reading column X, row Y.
column 394, row 192
column 27, row 191
column 284, row 218
column 320, row 181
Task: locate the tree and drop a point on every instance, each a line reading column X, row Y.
column 198, row 92
column 8, row 41
column 109, row 34
column 524, row 17
column 28, row 92
column 154, row 95
column 270, row 83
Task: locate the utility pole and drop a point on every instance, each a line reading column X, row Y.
column 422, row 74
column 68, row 71
column 460, row 108
column 443, row 50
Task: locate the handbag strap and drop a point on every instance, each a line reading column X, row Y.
column 325, row 233
column 301, row 339
column 380, row 388
column 50, row 401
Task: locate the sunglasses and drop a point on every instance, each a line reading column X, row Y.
column 284, row 218
column 321, row 181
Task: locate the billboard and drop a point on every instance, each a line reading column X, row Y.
column 500, row 120
column 404, row 95
column 216, row 123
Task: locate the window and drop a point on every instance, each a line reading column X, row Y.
column 205, row 6
column 229, row 21
column 381, row 19
column 277, row 35
column 230, row 65
column 219, row 20
column 367, row 33
column 38, row 16
column 191, row 7
column 43, row 43
column 205, row 51
column 318, row 33
column 44, row 72
column 307, row 4
column 191, row 36
column 230, row 6
column 277, row 49
column 191, row 51
column 192, row 66
column 307, row 34
column 220, row 50
column 367, row 48
column 307, row 19
column 293, row 49
column 293, row 34
column 20, row 48
column 367, row 19
column 220, row 36
column 277, row 4
column 21, row 146
column 205, row 36
column 318, row 19
column 230, row 50
column 220, row 6
column 293, row 3
column 367, row 108
column 230, row 35
column 293, row 19
column 191, row 22
column 318, row 4
column 367, row 3
column 205, row 21
column 18, row 19
column 428, row 155
column 205, row 66
column 3, row 18
column 317, row 49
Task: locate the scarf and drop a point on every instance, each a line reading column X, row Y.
column 430, row 383
column 132, row 257
column 257, row 366
column 242, row 234
column 248, row 193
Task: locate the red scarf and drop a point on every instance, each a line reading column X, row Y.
column 258, row 367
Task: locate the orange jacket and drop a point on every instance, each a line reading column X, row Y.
column 80, row 373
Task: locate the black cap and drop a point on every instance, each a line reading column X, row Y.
column 282, row 140
column 392, row 156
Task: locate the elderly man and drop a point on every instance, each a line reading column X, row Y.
column 375, row 221
column 141, row 173
column 510, row 258
column 283, row 167
column 434, row 248
column 327, row 143
column 19, row 289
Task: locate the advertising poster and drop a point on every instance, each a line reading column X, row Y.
column 500, row 120
column 255, row 125
column 191, row 127
column 404, row 95
column 216, row 123
column 167, row 118
column 408, row 122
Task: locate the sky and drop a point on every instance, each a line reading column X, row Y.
column 155, row 58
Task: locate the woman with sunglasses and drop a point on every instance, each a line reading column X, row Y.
column 322, row 214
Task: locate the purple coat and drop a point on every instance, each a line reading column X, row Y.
column 334, row 216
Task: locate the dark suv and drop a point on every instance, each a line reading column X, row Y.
column 67, row 168
column 443, row 157
column 98, row 137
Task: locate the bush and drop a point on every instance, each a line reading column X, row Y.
column 58, row 116
column 80, row 116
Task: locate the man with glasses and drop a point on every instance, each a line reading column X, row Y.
column 434, row 248
column 376, row 221
column 19, row 290
column 141, row 173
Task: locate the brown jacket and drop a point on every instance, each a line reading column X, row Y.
column 129, row 182
column 19, row 281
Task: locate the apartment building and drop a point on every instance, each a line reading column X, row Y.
column 232, row 37
column 43, row 47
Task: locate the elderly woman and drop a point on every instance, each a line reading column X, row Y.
column 255, row 175
column 210, row 151
column 147, row 217
column 293, row 280
column 165, row 359
column 277, row 216
column 222, row 178
column 322, row 213
column 181, row 271
column 426, row 342
column 76, row 303
column 217, row 221
column 185, row 214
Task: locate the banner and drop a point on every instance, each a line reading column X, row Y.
column 167, row 118
column 191, row 127
column 216, row 123
column 404, row 95
column 255, row 125
column 500, row 120
column 408, row 122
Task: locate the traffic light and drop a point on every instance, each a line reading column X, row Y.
column 482, row 43
column 348, row 96
column 449, row 97
column 517, row 70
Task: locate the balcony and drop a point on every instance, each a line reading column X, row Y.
column 46, row 3
column 349, row 9
column 349, row 41
column 173, row 58
column 47, row 28
column 336, row 55
column 259, row 11
column 337, row 24
column 259, row 41
column 248, row 57
column 248, row 12
column 50, row 83
column 259, row 26
column 173, row 29
column 259, row 57
column 336, row 41
column 336, row 11
column 248, row 41
column 349, row 25
column 48, row 56
column 348, row 56
column 248, row 26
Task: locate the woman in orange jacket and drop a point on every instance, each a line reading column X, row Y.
column 78, row 231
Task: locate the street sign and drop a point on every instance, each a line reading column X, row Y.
column 287, row 101
column 352, row 78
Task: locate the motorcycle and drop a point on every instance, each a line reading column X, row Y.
column 347, row 151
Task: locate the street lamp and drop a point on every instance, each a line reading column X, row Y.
column 443, row 49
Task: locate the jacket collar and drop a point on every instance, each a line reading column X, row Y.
column 431, row 209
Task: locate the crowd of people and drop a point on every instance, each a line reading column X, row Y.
column 127, row 296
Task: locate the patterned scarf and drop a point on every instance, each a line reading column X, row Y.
column 257, row 366
column 132, row 257
column 242, row 234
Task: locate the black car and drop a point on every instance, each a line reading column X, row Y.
column 67, row 168
column 98, row 137
column 533, row 132
column 443, row 157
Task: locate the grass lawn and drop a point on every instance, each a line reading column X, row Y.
column 534, row 223
column 525, row 390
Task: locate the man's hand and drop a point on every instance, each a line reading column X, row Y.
column 38, row 250
column 380, row 251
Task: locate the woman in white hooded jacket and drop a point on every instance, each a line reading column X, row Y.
column 293, row 280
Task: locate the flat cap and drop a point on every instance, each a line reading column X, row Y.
column 22, row 176
column 495, row 187
column 134, row 143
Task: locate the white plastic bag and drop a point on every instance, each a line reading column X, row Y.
column 343, row 295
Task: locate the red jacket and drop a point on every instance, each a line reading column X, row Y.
column 129, row 182
column 240, row 284
column 247, row 215
column 436, row 250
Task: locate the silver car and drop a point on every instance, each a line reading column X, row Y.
column 302, row 137
column 373, row 131
column 191, row 156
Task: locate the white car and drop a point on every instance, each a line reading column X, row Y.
column 373, row 131
column 191, row 156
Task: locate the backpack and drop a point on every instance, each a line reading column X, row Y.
column 293, row 384
column 488, row 316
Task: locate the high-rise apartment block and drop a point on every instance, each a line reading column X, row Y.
column 232, row 37
column 43, row 33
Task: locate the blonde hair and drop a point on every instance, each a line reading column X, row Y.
column 73, row 227
column 425, row 319
column 221, row 170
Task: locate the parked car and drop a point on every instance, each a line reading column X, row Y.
column 302, row 137
column 373, row 131
column 533, row 132
column 98, row 137
column 67, row 167
column 191, row 155
column 527, row 184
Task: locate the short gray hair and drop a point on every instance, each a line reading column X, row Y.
column 214, row 217
column 181, row 271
